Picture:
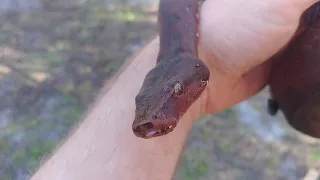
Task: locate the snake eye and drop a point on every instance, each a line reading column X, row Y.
column 204, row 81
column 178, row 89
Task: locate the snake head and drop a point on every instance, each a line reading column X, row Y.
column 167, row 92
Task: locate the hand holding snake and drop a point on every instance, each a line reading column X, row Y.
column 236, row 50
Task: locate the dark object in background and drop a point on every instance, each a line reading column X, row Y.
column 295, row 77
column 273, row 107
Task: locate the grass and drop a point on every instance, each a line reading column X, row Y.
column 225, row 145
column 30, row 157
column 196, row 165
column 315, row 156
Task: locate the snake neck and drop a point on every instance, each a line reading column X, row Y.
column 178, row 27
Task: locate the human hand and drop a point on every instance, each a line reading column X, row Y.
column 237, row 39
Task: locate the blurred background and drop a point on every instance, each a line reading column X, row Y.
column 56, row 55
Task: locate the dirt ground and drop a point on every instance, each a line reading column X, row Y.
column 56, row 57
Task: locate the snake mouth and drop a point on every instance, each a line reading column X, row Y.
column 147, row 129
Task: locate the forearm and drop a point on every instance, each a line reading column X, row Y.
column 104, row 147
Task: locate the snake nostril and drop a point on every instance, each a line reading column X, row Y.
column 154, row 117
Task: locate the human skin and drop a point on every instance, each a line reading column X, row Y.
column 235, row 44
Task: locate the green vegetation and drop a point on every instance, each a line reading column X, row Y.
column 33, row 154
column 195, row 166
column 225, row 145
column 315, row 156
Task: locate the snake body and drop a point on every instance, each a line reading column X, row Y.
column 295, row 77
